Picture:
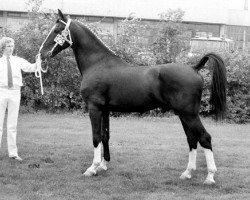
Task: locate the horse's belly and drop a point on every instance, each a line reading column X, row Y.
column 133, row 102
column 131, row 108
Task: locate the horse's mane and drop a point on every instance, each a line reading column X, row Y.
column 95, row 35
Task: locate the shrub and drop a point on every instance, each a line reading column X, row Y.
column 238, row 73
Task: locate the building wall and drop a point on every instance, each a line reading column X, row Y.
column 12, row 20
column 240, row 34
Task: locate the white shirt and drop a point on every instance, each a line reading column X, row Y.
column 17, row 64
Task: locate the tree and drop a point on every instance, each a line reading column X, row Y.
column 130, row 44
column 171, row 40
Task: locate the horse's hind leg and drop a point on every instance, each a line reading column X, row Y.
column 105, row 141
column 192, row 142
column 197, row 133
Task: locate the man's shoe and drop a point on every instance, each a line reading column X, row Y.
column 17, row 158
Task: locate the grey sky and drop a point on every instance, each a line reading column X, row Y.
column 233, row 4
column 237, row 4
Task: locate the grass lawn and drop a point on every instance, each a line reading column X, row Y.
column 147, row 157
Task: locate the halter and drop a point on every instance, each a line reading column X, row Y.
column 60, row 39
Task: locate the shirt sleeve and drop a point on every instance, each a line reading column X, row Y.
column 27, row 66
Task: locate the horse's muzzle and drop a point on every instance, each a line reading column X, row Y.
column 45, row 56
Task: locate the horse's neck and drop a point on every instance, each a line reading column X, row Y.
column 87, row 58
column 89, row 51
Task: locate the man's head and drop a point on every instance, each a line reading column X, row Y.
column 7, row 46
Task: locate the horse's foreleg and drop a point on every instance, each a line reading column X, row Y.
column 95, row 117
column 105, row 141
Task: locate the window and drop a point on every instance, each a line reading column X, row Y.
column 24, row 14
column 207, row 28
column 14, row 14
column 94, row 19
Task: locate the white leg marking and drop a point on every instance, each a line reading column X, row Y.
column 210, row 167
column 102, row 166
column 92, row 170
column 191, row 165
column 192, row 159
column 98, row 154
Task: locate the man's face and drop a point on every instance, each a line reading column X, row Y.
column 9, row 48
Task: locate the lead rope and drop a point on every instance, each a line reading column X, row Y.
column 39, row 69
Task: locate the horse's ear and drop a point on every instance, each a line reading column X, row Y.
column 62, row 16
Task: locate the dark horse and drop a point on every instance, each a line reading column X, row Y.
column 111, row 84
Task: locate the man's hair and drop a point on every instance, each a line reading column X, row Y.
column 4, row 41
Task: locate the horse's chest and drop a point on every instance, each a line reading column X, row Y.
column 88, row 90
column 92, row 90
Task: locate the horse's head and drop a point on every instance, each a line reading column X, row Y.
column 59, row 38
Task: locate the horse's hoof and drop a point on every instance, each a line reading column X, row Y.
column 185, row 176
column 101, row 168
column 89, row 173
column 104, row 168
column 209, row 182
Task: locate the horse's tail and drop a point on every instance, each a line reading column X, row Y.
column 218, row 85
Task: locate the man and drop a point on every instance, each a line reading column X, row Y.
column 10, row 93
